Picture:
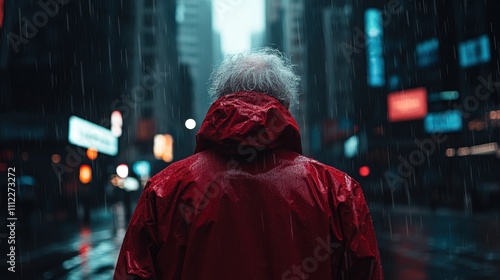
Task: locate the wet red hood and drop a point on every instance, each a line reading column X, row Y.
column 240, row 122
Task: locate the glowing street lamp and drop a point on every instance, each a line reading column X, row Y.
column 122, row 170
column 190, row 124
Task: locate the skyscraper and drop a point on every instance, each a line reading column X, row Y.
column 195, row 45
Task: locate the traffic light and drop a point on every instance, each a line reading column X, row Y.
column 364, row 171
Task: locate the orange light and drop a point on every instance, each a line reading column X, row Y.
column 85, row 174
column 92, row 153
column 450, row 152
column 168, row 156
column 159, row 145
column 364, row 171
column 116, row 180
column 56, row 158
column 163, row 147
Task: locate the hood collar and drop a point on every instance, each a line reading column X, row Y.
column 246, row 123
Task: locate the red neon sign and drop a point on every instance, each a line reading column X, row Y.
column 407, row 105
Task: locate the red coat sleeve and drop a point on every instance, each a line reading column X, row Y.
column 359, row 258
column 140, row 244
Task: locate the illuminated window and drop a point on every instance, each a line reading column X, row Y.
column 474, row 51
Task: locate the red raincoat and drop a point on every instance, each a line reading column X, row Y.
column 248, row 205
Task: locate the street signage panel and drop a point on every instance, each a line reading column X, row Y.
column 449, row 121
column 89, row 135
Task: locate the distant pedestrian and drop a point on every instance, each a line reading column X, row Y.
column 248, row 204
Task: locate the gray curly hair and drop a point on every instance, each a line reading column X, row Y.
column 266, row 71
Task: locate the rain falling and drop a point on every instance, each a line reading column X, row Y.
column 264, row 139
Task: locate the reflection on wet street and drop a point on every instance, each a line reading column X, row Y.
column 415, row 244
column 420, row 244
column 69, row 250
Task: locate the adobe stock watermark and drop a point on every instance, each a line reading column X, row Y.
column 417, row 157
column 360, row 41
column 248, row 149
column 427, row 147
column 256, row 143
column 224, row 6
column 309, row 265
column 190, row 209
column 75, row 155
column 482, row 92
column 30, row 28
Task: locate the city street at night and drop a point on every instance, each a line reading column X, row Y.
column 226, row 139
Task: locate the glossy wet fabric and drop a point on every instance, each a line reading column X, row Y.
column 248, row 205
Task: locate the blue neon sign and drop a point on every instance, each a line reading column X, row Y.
column 375, row 47
column 474, row 51
column 448, row 121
